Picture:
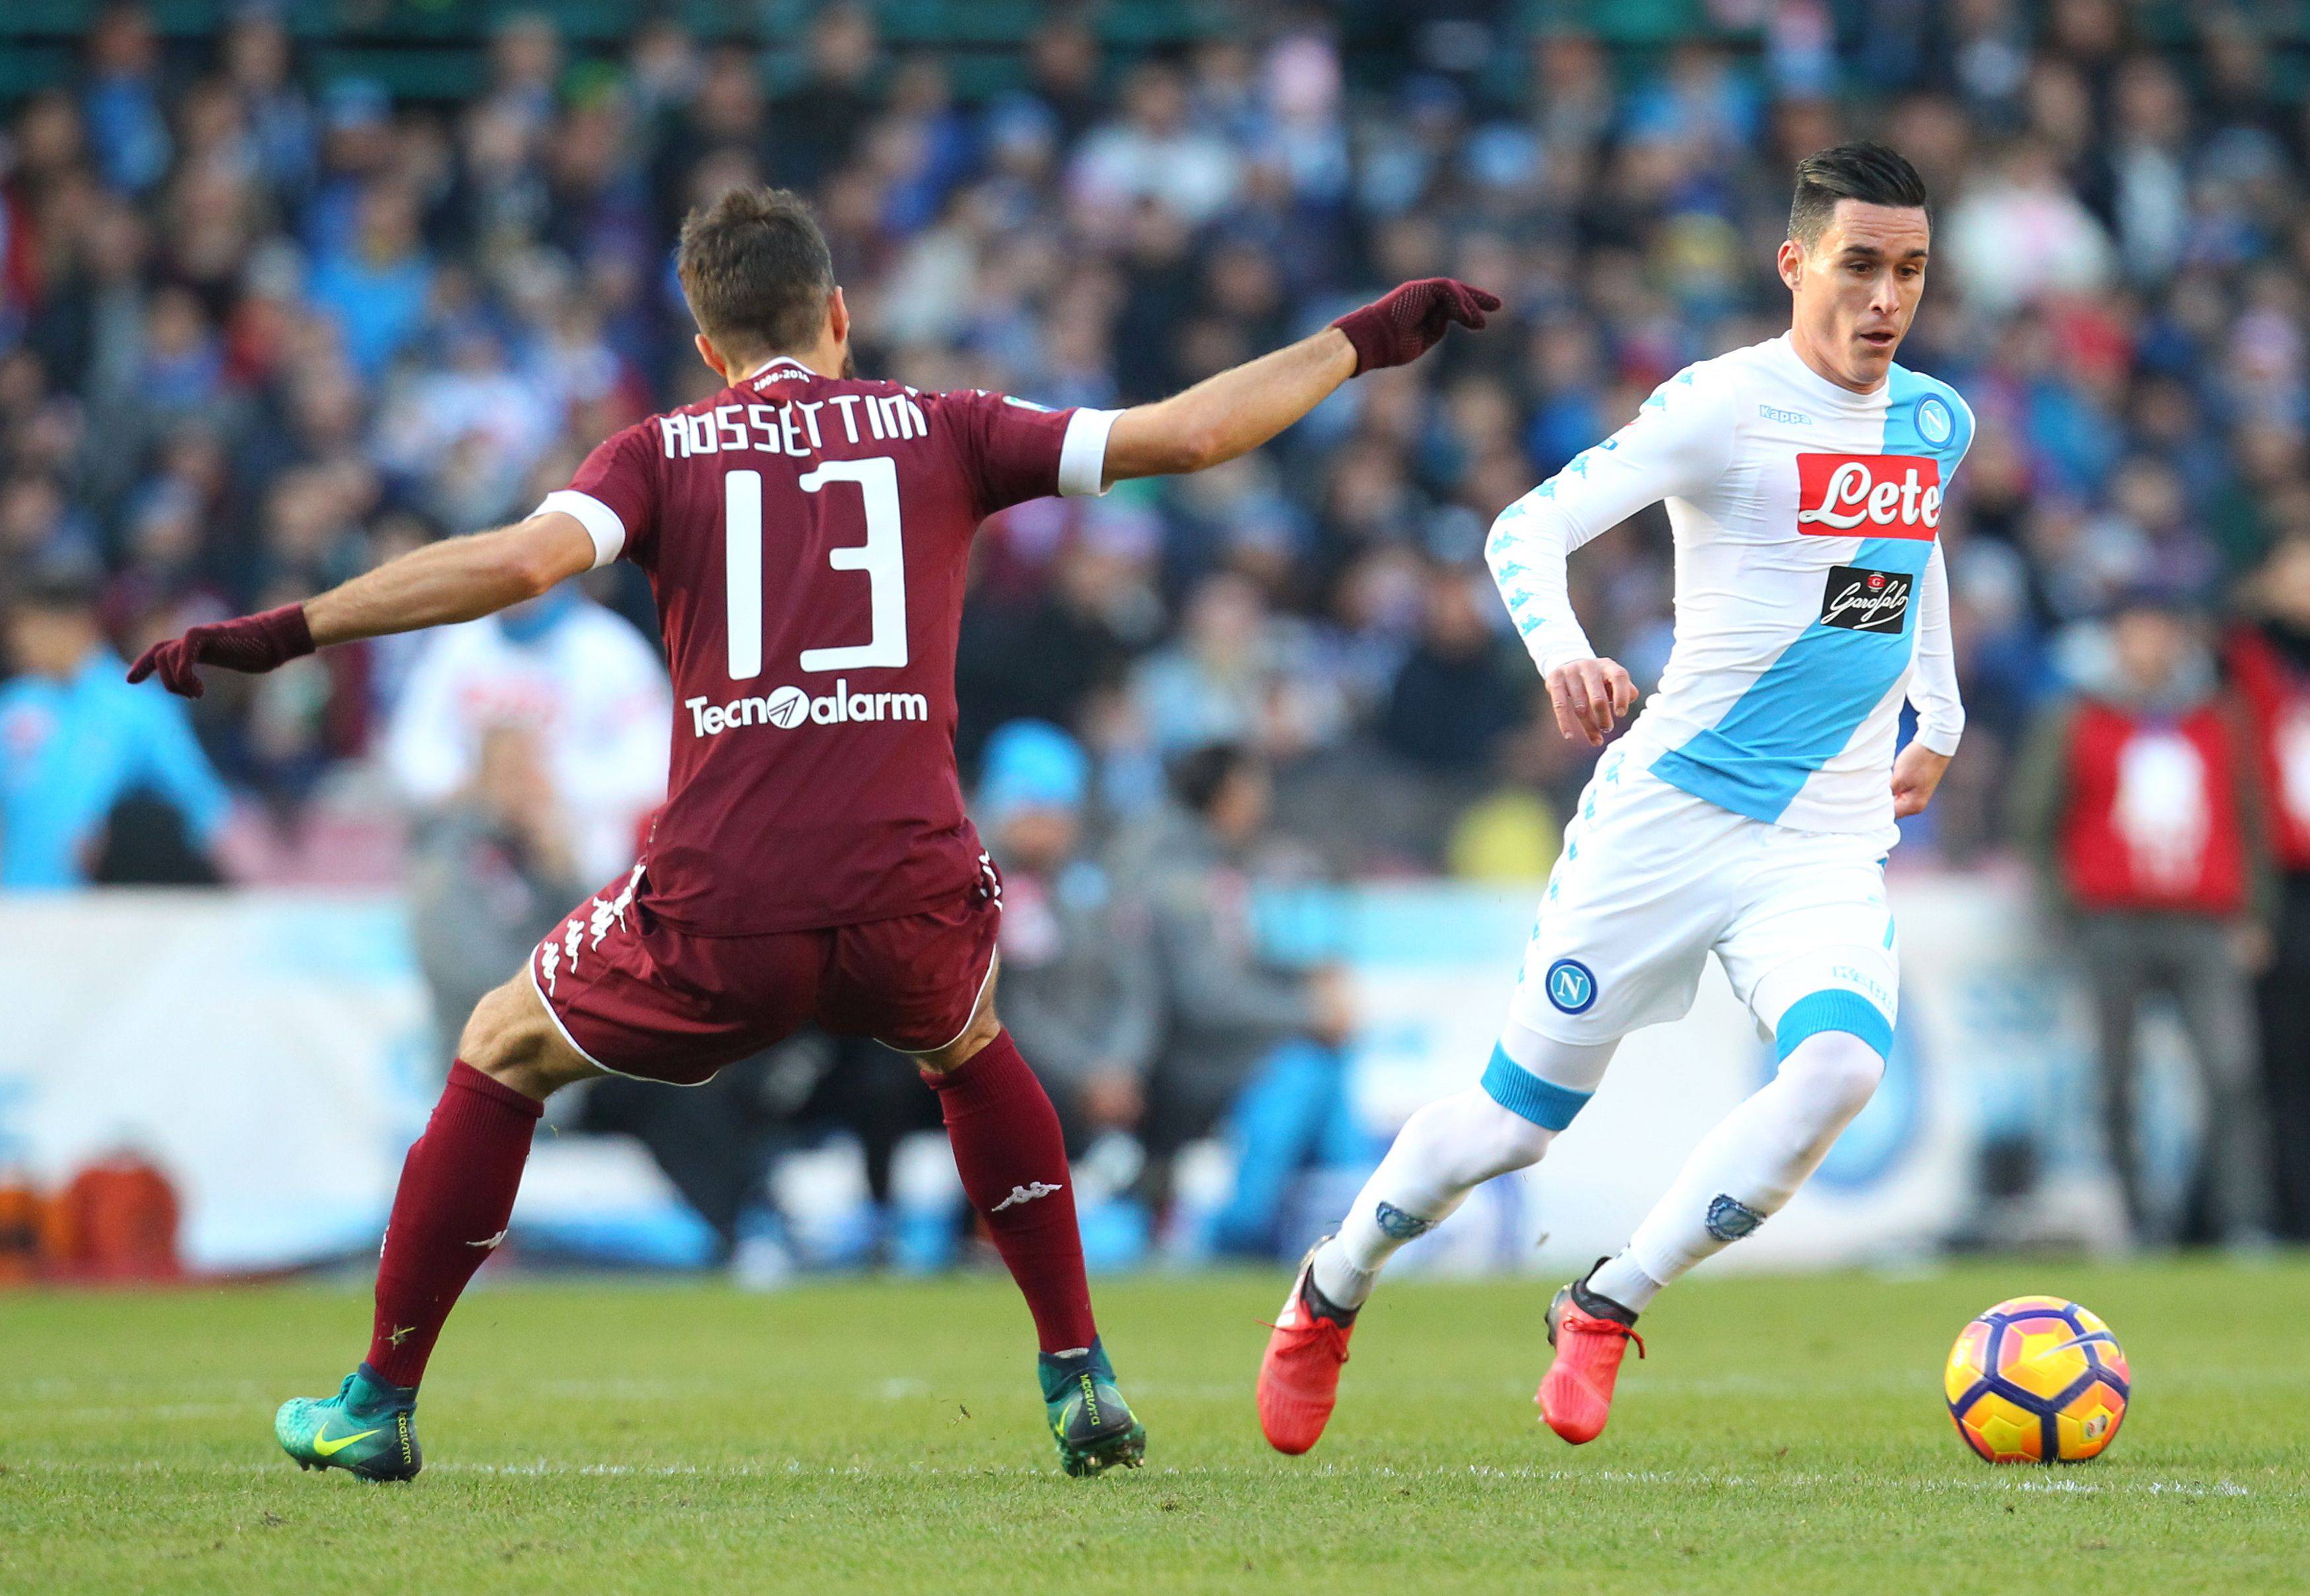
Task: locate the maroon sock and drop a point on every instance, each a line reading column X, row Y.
column 456, row 1195
column 1013, row 1163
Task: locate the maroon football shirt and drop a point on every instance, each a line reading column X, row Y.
column 807, row 538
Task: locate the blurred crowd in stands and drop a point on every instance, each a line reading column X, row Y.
column 260, row 329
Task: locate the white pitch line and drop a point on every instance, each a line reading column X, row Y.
column 1674, row 1479
column 2220, row 1488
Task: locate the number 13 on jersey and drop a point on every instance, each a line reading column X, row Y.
column 882, row 557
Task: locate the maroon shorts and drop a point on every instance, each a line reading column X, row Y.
column 639, row 997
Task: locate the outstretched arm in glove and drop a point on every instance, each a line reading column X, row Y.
column 461, row 579
column 1240, row 408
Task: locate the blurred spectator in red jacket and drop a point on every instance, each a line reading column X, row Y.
column 2137, row 798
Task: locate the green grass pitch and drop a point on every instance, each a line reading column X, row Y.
column 1784, row 1435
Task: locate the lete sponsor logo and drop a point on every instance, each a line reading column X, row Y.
column 1879, row 495
column 789, row 706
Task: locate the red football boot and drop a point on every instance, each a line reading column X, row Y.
column 1299, row 1377
column 1591, row 1335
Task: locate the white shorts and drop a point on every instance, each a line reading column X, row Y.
column 1653, row 880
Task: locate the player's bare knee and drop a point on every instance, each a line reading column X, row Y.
column 510, row 1038
column 984, row 1027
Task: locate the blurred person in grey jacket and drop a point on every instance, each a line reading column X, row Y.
column 491, row 871
column 1251, row 1050
column 1080, row 991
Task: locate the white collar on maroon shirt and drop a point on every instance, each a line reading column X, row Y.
column 773, row 362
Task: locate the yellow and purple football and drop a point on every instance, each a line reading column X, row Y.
column 2037, row 1380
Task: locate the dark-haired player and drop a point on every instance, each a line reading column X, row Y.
column 1747, row 812
column 806, row 532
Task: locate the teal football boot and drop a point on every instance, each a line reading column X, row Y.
column 1090, row 1421
column 368, row 1429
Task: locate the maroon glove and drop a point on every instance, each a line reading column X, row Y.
column 253, row 643
column 1398, row 328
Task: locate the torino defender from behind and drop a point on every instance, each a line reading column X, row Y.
column 1749, row 810
column 806, row 534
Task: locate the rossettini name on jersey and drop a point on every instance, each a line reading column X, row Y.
column 794, row 426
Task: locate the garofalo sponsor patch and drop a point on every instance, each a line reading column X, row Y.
column 1864, row 600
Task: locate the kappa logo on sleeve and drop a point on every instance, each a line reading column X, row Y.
column 1864, row 600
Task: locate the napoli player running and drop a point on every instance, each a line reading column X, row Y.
column 1749, row 810
column 806, row 533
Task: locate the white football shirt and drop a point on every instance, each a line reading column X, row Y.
column 592, row 690
column 1810, row 593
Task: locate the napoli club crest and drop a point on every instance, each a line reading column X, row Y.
column 1935, row 425
column 1571, row 987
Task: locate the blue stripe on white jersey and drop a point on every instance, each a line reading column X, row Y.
column 1807, row 704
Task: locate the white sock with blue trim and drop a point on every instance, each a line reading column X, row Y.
column 1444, row 1151
column 1750, row 1165
column 1455, row 1145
